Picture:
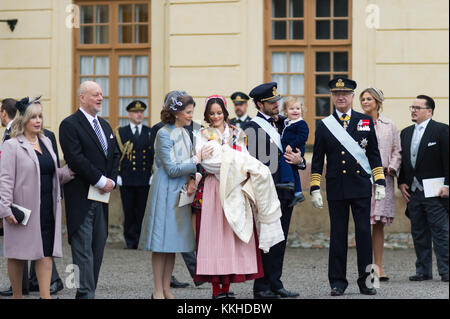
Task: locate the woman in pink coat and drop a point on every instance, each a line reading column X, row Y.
column 383, row 211
column 30, row 178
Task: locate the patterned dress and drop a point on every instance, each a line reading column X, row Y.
column 389, row 144
column 221, row 256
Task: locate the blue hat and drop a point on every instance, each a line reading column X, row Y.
column 341, row 83
column 266, row 92
column 136, row 106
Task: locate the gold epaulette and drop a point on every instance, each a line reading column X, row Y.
column 315, row 179
column 377, row 173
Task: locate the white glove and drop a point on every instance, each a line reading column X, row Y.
column 317, row 199
column 380, row 192
column 119, row 180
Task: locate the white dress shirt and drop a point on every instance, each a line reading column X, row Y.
column 134, row 126
column 103, row 179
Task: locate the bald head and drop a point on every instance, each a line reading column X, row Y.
column 91, row 97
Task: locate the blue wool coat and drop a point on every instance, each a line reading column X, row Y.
column 167, row 227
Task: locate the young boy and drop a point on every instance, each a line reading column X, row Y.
column 294, row 137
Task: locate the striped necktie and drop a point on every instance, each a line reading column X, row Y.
column 100, row 136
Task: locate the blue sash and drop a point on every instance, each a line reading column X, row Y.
column 348, row 142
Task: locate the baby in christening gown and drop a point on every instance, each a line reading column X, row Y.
column 212, row 164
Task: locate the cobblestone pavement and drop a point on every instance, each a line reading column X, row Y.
column 126, row 274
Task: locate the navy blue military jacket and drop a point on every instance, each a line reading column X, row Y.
column 345, row 178
column 262, row 147
column 234, row 122
column 135, row 168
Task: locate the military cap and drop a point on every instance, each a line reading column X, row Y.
column 266, row 92
column 136, row 106
column 341, row 83
column 239, row 97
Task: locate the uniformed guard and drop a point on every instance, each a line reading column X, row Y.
column 134, row 171
column 264, row 143
column 347, row 138
column 240, row 101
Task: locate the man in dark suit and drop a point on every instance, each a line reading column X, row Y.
column 240, row 101
column 264, row 143
column 135, row 170
column 91, row 151
column 29, row 280
column 425, row 155
column 347, row 139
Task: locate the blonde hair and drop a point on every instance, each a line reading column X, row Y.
column 292, row 100
column 377, row 94
column 20, row 121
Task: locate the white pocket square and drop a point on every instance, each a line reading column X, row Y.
column 112, row 136
column 431, row 144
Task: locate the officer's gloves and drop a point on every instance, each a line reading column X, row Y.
column 317, row 199
column 380, row 192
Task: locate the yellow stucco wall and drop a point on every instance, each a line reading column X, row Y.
column 36, row 59
column 205, row 47
column 216, row 47
column 406, row 55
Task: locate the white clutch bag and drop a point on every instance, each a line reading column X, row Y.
column 21, row 214
column 184, row 198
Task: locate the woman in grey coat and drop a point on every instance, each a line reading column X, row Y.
column 167, row 228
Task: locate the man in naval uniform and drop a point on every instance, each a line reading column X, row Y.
column 347, row 139
column 240, row 101
column 134, row 171
column 264, row 143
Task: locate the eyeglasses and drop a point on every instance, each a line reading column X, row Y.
column 417, row 108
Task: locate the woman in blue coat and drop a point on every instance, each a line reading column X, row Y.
column 167, row 228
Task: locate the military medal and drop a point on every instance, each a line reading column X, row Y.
column 364, row 142
column 363, row 125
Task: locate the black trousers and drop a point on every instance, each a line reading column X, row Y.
column 429, row 228
column 273, row 260
column 134, row 200
column 337, row 262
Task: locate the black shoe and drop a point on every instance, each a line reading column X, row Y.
column 367, row 291
column 56, row 286
column 9, row 293
column 297, row 199
column 384, row 278
column 267, row 294
column 336, row 291
column 283, row 293
column 174, row 283
column 290, row 186
column 420, row 277
column 230, row 295
column 198, row 283
column 444, row 278
column 220, row 295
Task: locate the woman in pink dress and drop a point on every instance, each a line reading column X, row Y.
column 383, row 211
column 222, row 258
